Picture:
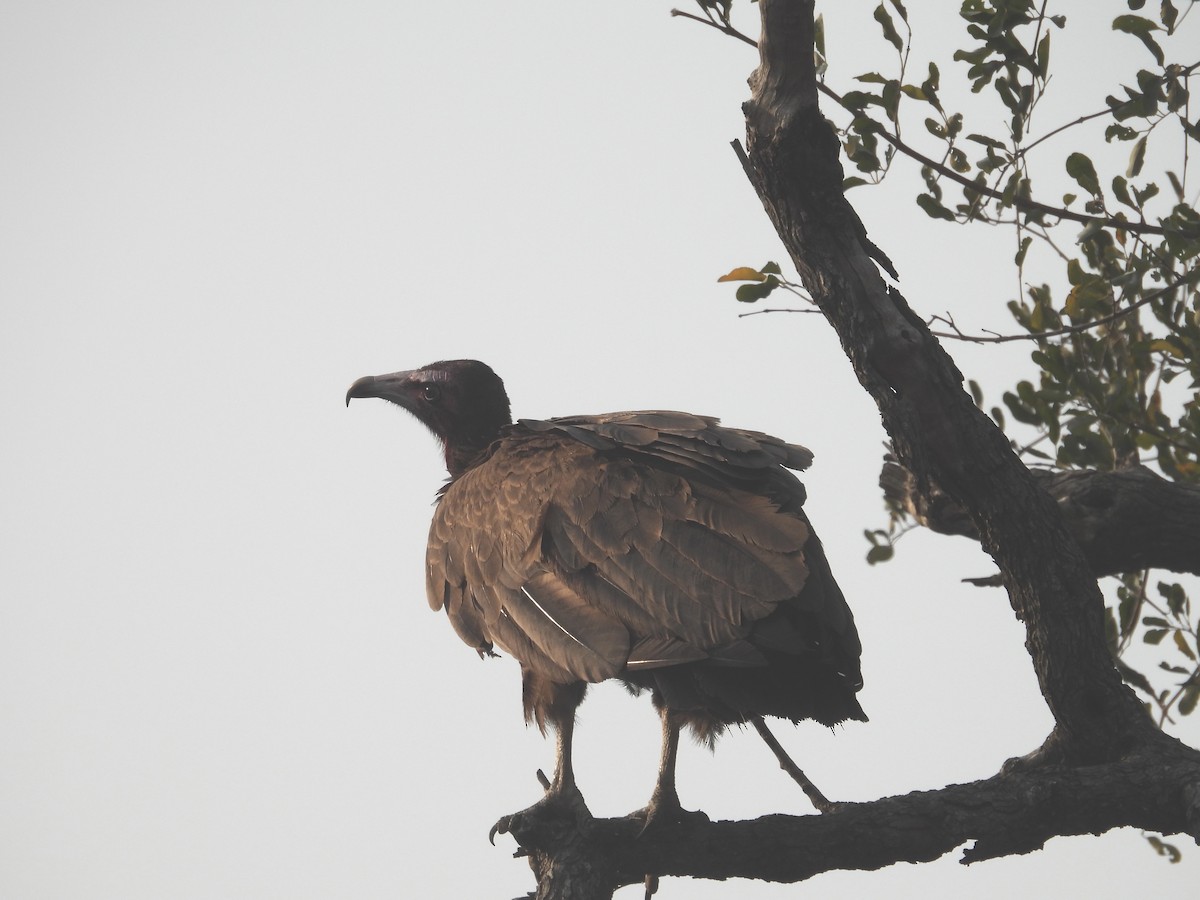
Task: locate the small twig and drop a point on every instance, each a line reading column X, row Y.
column 992, row 338
column 1049, row 134
column 1019, row 202
column 723, row 27
column 759, row 312
column 819, row 800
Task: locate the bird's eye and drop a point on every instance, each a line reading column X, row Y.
column 431, row 392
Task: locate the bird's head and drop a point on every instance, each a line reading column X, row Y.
column 462, row 401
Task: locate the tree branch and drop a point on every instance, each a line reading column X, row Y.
column 1124, row 520
column 1182, row 281
column 724, row 27
column 1023, row 204
column 1156, row 790
column 936, row 429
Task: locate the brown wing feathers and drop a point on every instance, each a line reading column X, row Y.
column 610, row 556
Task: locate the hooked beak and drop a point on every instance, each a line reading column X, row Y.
column 394, row 387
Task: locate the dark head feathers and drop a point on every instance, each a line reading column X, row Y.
column 462, row 401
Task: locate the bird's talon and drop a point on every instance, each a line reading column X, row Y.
column 501, row 827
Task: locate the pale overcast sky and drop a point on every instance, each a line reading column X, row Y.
column 219, row 679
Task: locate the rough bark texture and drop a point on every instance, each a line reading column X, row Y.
column 937, row 431
column 1157, row 789
column 1124, row 520
column 1105, row 765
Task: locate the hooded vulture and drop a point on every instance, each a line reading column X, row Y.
column 658, row 548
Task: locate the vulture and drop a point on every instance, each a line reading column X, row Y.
column 658, row 548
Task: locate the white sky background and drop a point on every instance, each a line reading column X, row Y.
column 218, row 674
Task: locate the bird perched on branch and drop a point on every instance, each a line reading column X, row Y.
column 658, row 548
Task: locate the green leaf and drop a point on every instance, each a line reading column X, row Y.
column 930, row 86
column 879, row 553
column 1168, row 346
column 1043, row 56
column 891, row 99
column 1164, row 849
column 1134, row 678
column 1120, row 189
column 1136, row 158
column 1120, row 132
column 1081, row 169
column 1187, row 703
column 1143, row 29
column 1173, row 593
column 976, row 392
column 1154, row 636
column 1019, row 258
column 889, row 27
column 933, row 208
column 1182, row 644
column 1169, row 15
column 1176, row 185
column 751, row 293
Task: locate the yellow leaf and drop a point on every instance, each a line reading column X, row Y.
column 1072, row 306
column 743, row 273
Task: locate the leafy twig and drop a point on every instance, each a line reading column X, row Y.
column 1026, row 205
column 992, row 338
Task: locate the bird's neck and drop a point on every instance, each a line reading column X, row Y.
column 461, row 456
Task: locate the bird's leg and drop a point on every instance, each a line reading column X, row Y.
column 665, row 798
column 564, row 771
column 664, row 803
column 563, row 805
column 819, row 800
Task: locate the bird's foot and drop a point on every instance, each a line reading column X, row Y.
column 664, row 809
column 562, row 809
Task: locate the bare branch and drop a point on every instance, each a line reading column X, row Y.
column 723, row 27
column 992, row 338
column 1124, row 520
column 1016, row 812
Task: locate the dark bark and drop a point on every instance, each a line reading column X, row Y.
column 1105, row 764
column 1124, row 520
column 1156, row 789
column 937, row 431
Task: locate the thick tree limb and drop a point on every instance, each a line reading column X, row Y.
column 937, row 431
column 1155, row 789
column 1124, row 520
